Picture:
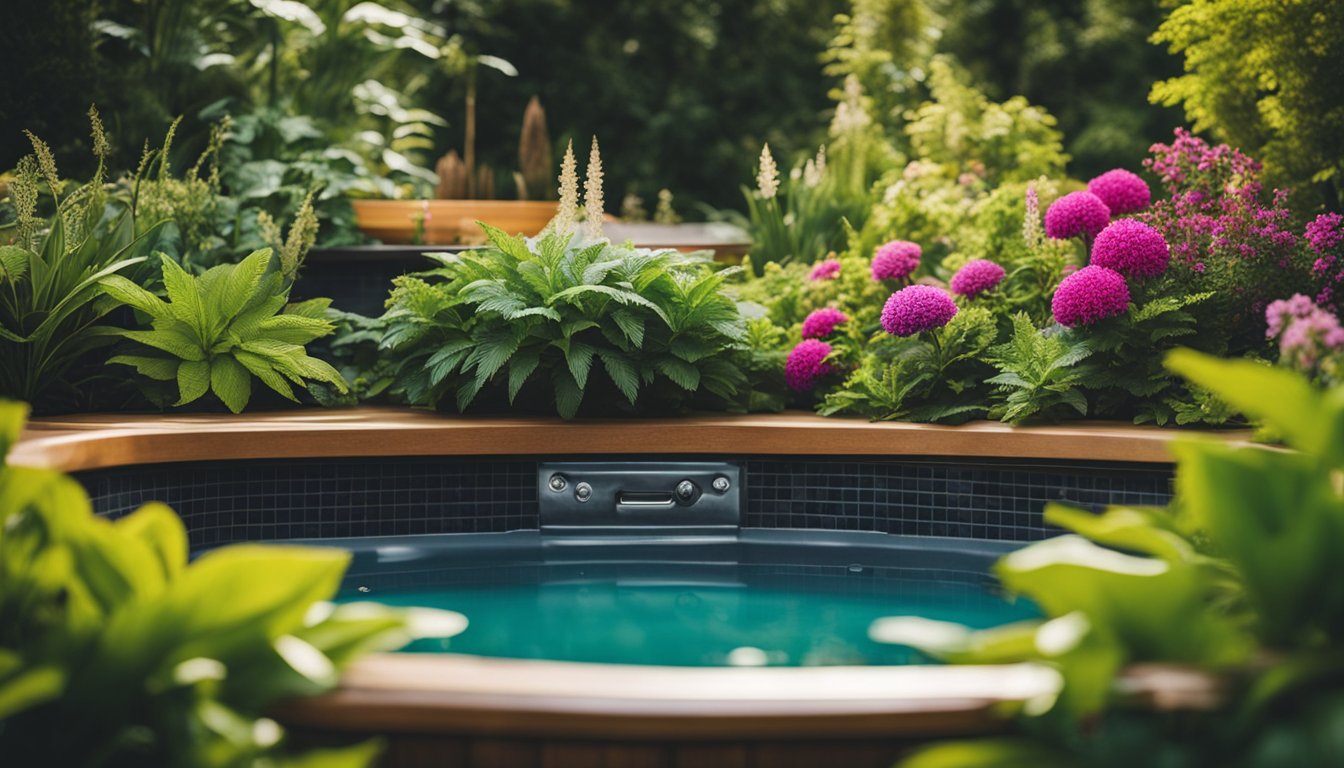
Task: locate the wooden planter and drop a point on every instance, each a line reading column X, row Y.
column 448, row 222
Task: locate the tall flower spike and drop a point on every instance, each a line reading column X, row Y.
column 814, row 169
column 1032, row 231
column 100, row 146
column 767, row 176
column 46, row 162
column 593, row 210
column 568, row 209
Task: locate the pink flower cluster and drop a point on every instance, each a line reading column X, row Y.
column 1076, row 214
column 1131, row 248
column 1306, row 332
column 976, row 277
column 1324, row 236
column 825, row 270
column 822, row 322
column 917, row 308
column 1188, row 163
column 1121, row 191
column 896, row 260
column 806, row 365
column 1088, row 296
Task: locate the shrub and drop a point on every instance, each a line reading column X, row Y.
column 114, row 650
column 522, row 311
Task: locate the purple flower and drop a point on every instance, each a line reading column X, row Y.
column 1091, row 294
column 825, row 270
column 1121, row 191
column 806, row 364
column 1077, row 213
column 822, row 323
column 917, row 308
column 1131, row 248
column 896, row 260
column 1325, row 232
column 976, row 277
column 1305, row 331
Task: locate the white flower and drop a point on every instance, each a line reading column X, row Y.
column 568, row 209
column 767, row 177
column 815, row 169
column 592, row 193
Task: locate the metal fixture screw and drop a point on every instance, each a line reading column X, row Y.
column 583, row 491
column 685, row 489
column 558, row 483
column 721, row 484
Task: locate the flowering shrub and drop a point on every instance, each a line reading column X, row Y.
column 1307, row 334
column 915, row 309
column 1090, row 295
column 976, row 277
column 896, row 260
column 1226, row 236
column 1131, row 248
column 1325, row 238
column 807, row 365
column 1077, row 214
column 825, row 270
column 823, row 322
column 1122, row 191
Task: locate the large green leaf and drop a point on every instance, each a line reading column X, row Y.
column 231, row 383
column 193, row 380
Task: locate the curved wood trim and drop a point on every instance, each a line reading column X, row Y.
column 412, row 693
column 80, row 443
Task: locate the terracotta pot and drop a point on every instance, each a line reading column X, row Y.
column 449, row 222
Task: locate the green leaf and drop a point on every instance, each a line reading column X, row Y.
column 133, row 295
column 193, row 380
column 231, row 383
column 161, row 531
column 13, row 262
column 263, row 369
column 294, row 329
column 170, row 340
column 185, row 299
column 579, row 358
column 30, row 688
column 568, row 394
column 520, row 368
column 157, row 368
column 682, row 373
column 622, row 373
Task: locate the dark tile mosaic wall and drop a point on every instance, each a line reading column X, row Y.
column 976, row 499
column 223, row 502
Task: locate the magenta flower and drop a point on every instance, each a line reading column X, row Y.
column 896, row 260
column 825, row 270
column 1131, row 248
column 1089, row 295
column 976, row 277
column 1121, row 191
column 1306, row 333
column 806, row 365
column 1075, row 214
column 917, row 308
column 822, row 323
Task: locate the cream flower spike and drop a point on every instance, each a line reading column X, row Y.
column 592, row 194
column 767, row 178
column 568, row 209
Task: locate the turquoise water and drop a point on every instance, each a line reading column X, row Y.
column 746, row 615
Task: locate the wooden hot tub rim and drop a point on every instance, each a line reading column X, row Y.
column 100, row 441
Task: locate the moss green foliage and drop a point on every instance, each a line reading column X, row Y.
column 115, row 651
column 1264, row 77
column 1241, row 577
column 51, row 297
column 592, row 325
column 219, row 330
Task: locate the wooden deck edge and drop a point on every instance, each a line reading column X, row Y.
column 103, row 441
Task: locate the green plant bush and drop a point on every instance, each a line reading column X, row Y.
column 116, row 651
column 219, row 330
column 52, row 300
column 654, row 322
column 1241, row 577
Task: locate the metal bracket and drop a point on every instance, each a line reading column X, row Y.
column 640, row 498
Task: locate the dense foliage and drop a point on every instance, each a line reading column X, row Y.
column 548, row 311
column 1240, row 578
column 115, row 651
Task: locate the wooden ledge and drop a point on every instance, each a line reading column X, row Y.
column 99, row 441
column 415, row 693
